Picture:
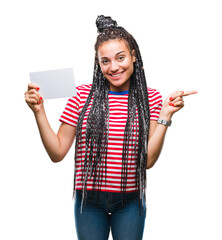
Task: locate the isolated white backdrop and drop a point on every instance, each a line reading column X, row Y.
column 181, row 47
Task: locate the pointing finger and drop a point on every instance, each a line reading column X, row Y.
column 189, row 93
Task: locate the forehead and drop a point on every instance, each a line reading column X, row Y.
column 112, row 47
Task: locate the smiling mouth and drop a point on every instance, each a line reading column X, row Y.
column 116, row 75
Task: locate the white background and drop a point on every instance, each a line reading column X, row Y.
column 180, row 42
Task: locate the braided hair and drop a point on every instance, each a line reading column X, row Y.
column 97, row 127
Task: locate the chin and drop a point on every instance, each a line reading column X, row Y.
column 119, row 86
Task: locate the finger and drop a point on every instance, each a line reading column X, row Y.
column 33, row 86
column 33, row 91
column 30, row 97
column 176, row 104
column 175, row 95
column 179, row 104
column 177, row 99
column 31, row 100
column 189, row 93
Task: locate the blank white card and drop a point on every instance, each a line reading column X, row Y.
column 57, row 83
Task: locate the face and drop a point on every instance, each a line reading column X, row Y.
column 116, row 62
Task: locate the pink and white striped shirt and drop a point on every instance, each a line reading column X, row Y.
column 118, row 110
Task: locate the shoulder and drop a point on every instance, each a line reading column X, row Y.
column 155, row 103
column 84, row 88
column 153, row 94
column 82, row 91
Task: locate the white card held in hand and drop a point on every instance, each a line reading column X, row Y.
column 55, row 83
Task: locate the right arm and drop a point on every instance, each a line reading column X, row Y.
column 56, row 145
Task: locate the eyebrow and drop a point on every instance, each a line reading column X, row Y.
column 116, row 54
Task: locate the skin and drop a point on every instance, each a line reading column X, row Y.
column 172, row 104
column 116, row 61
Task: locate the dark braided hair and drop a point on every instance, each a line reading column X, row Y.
column 97, row 127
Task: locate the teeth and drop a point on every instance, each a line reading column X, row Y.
column 117, row 75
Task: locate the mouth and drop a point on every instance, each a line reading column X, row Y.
column 116, row 75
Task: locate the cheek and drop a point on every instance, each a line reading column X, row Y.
column 103, row 69
column 131, row 67
column 129, row 63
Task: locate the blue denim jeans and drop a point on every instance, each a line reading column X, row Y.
column 98, row 217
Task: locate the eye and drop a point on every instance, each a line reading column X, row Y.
column 105, row 62
column 121, row 58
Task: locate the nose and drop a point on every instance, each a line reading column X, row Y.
column 114, row 66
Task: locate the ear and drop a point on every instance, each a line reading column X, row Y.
column 133, row 55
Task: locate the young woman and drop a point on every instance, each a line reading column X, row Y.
column 119, row 125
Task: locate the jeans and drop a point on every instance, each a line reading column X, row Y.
column 97, row 218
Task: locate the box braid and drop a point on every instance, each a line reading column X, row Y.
column 98, row 118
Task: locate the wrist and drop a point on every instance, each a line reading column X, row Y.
column 164, row 122
column 38, row 114
column 165, row 115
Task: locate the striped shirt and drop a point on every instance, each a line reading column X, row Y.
column 118, row 109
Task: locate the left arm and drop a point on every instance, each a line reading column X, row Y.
column 157, row 133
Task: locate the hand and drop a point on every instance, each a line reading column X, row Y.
column 33, row 98
column 173, row 103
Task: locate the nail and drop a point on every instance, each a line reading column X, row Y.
column 37, row 88
column 171, row 98
column 40, row 98
column 171, row 104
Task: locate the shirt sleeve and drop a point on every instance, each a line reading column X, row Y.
column 70, row 114
column 155, row 103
